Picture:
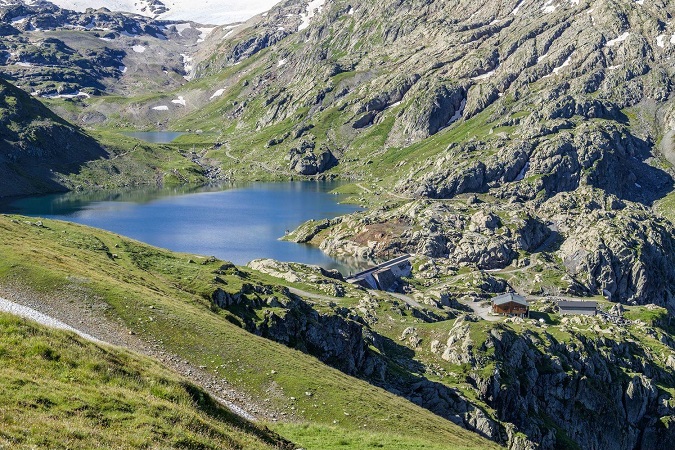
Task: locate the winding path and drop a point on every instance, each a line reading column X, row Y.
column 301, row 293
column 236, row 402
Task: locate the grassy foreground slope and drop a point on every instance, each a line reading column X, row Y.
column 60, row 391
column 164, row 297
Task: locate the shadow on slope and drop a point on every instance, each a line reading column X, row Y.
column 36, row 145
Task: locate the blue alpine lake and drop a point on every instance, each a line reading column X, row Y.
column 236, row 223
column 155, row 137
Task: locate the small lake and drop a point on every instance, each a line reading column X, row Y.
column 155, row 137
column 236, row 223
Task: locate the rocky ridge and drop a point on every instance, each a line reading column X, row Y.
column 54, row 52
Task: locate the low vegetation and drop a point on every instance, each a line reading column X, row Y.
column 60, row 391
column 164, row 297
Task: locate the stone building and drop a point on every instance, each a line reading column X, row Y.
column 577, row 307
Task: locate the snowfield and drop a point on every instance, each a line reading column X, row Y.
column 31, row 314
column 215, row 12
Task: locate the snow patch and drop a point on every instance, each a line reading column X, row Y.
column 351, row 11
column 549, row 7
column 516, row 10
column 73, row 95
column 161, row 108
column 180, row 27
column 558, row 69
column 312, row 7
column 36, row 316
column 187, row 66
column 179, row 101
column 138, row 48
column 393, row 105
column 484, row 75
column 203, row 32
column 24, row 64
column 619, row 39
column 563, row 65
column 123, row 69
column 521, row 174
column 282, row 62
column 458, row 114
column 660, row 40
column 218, row 93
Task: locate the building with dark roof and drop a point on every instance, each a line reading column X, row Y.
column 385, row 276
column 577, row 307
column 510, row 304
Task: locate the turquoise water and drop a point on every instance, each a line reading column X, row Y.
column 155, row 137
column 237, row 223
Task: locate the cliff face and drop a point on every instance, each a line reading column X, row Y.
column 601, row 392
column 36, row 145
column 546, row 382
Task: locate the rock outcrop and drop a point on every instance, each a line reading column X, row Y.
column 306, row 160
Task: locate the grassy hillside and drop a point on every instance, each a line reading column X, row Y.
column 165, row 297
column 60, row 391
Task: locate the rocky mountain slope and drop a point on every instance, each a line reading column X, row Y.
column 533, row 383
column 558, row 111
column 509, row 145
column 36, row 144
column 54, row 52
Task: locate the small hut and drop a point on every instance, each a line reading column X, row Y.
column 577, row 307
column 511, row 304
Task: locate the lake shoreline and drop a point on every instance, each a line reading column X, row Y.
column 241, row 221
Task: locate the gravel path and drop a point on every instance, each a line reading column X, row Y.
column 484, row 312
column 90, row 322
column 408, row 299
column 37, row 316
